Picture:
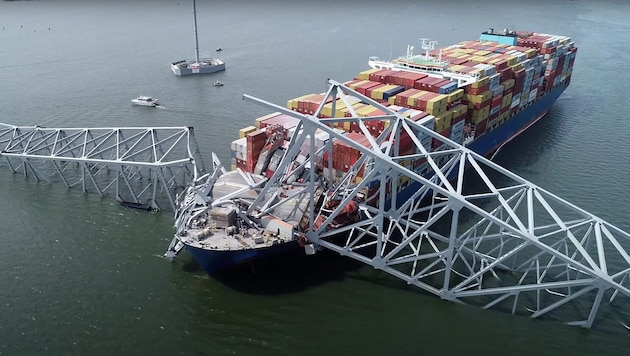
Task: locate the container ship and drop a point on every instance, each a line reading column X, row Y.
column 479, row 93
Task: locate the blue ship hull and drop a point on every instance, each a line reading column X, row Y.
column 491, row 141
column 213, row 261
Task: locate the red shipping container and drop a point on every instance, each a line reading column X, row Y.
column 548, row 50
column 369, row 91
column 481, row 105
column 480, row 128
column 446, row 133
column 410, row 78
column 395, row 77
column 502, row 65
column 401, row 98
column 363, row 87
column 427, row 83
column 561, row 61
column 496, row 101
column 506, row 74
column 459, row 118
column 475, row 91
column 376, row 76
column 421, row 102
column 380, row 76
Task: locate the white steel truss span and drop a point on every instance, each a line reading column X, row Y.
column 139, row 165
column 462, row 228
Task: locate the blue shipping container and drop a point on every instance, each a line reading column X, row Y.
column 447, row 88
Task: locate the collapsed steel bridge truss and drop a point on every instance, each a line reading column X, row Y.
column 457, row 226
column 148, row 166
column 461, row 227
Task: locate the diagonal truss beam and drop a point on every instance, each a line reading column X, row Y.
column 456, row 225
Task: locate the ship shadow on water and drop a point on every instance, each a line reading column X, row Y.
column 289, row 272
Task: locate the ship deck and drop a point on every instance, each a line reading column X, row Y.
column 233, row 191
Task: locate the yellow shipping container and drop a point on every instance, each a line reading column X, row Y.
column 245, row 130
column 436, row 110
column 468, row 50
column 461, row 55
column 293, row 103
column 443, row 121
column 454, row 95
column 263, row 118
column 355, row 85
column 402, row 180
column 508, row 84
column 504, row 115
column 411, row 99
column 482, row 53
column 327, row 109
column 479, row 98
column 383, row 89
column 458, row 110
column 481, row 82
column 439, row 100
column 480, row 115
column 478, row 59
column 494, row 60
column 365, row 110
column 355, row 106
column 517, row 66
column 507, row 100
column 512, row 60
column 365, row 75
column 456, row 67
column 530, row 52
column 391, row 100
column 377, row 93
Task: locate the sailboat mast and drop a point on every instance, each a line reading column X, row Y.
column 196, row 38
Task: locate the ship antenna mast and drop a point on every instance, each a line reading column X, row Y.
column 196, row 38
column 428, row 45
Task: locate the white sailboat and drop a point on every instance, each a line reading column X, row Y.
column 197, row 65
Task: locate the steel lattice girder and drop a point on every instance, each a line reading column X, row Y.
column 470, row 230
column 136, row 164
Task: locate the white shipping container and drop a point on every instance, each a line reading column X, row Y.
column 428, row 122
column 495, row 79
column 532, row 94
column 239, row 147
column 457, row 136
column 458, row 125
column 497, row 90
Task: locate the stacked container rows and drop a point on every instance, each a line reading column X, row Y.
column 510, row 78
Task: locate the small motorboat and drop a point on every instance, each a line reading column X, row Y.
column 218, row 83
column 219, row 49
column 144, row 100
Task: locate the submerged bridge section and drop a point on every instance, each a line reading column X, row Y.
column 144, row 167
column 458, row 225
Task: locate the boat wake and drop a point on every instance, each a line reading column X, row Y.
column 565, row 96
